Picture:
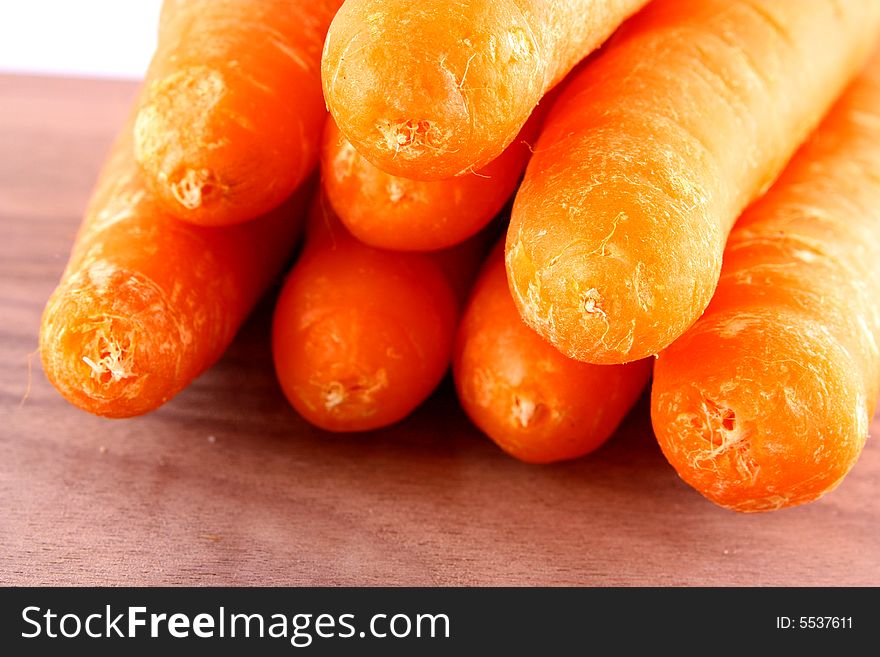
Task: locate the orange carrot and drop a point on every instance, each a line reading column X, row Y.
column 655, row 148
column 535, row 403
column 362, row 336
column 765, row 402
column 147, row 303
column 391, row 212
column 432, row 89
column 232, row 111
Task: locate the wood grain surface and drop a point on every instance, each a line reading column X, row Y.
column 226, row 485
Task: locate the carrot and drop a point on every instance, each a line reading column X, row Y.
column 434, row 89
column 232, row 111
column 535, row 403
column 765, row 402
column 362, row 336
column 391, row 212
column 654, row 149
column 147, row 303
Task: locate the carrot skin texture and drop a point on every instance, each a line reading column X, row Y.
column 654, row 149
column 217, row 135
column 362, row 336
column 391, row 212
column 766, row 401
column 146, row 302
column 533, row 402
column 435, row 89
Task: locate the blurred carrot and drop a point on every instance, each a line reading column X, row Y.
column 433, row 89
column 535, row 403
column 232, row 111
column 654, row 149
column 765, row 402
column 147, row 303
column 391, row 212
column 362, row 336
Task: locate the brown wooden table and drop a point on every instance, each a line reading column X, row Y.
column 226, row 485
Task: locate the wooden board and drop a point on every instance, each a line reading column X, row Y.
column 226, row 485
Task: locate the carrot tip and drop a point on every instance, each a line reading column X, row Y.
column 412, row 138
column 101, row 359
column 334, row 395
column 98, row 333
column 592, row 302
column 114, row 362
column 722, row 438
column 194, row 187
column 356, row 395
column 525, row 410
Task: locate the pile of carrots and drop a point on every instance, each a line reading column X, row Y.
column 699, row 197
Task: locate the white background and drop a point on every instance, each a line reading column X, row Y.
column 98, row 38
